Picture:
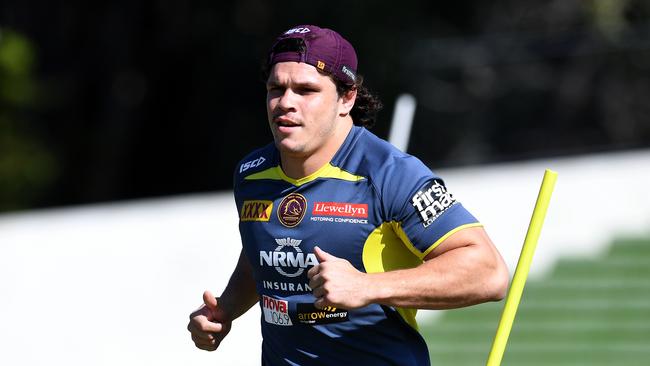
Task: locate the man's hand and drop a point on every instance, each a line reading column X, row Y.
column 209, row 324
column 335, row 282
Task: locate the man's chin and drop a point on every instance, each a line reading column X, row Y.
column 290, row 148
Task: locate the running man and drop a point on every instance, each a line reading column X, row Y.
column 343, row 235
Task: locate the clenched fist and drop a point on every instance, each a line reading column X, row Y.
column 209, row 324
column 335, row 282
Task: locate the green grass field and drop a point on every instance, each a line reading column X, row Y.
column 585, row 312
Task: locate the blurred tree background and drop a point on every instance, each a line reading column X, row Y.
column 131, row 99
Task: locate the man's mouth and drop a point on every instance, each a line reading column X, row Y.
column 285, row 122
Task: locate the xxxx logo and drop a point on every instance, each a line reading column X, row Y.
column 256, row 210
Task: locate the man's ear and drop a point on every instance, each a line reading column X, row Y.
column 347, row 102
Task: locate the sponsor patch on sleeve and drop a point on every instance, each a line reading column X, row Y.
column 276, row 311
column 307, row 313
column 431, row 201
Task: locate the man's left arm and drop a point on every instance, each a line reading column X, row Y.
column 465, row 269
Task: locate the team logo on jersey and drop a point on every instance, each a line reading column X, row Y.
column 256, row 210
column 307, row 313
column 431, row 201
column 292, row 209
column 287, row 258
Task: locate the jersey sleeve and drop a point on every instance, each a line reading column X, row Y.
column 421, row 209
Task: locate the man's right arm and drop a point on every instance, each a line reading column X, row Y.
column 212, row 321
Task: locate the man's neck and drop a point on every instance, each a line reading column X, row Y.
column 297, row 167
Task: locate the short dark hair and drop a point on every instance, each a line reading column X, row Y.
column 366, row 106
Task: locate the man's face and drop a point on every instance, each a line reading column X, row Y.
column 302, row 107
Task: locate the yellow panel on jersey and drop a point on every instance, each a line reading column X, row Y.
column 326, row 171
column 397, row 227
column 384, row 251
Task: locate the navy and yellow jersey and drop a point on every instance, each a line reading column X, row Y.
column 373, row 205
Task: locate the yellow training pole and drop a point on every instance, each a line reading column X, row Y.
column 523, row 266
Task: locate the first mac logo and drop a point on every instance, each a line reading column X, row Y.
column 256, row 210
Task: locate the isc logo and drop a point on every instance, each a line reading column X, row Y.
column 256, row 210
column 297, row 30
column 251, row 164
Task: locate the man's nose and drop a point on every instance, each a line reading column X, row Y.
column 287, row 100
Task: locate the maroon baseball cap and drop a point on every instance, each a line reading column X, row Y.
column 322, row 48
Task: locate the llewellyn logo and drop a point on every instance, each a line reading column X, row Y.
column 342, row 209
column 256, row 210
column 292, row 209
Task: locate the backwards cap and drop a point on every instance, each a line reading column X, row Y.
column 321, row 47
